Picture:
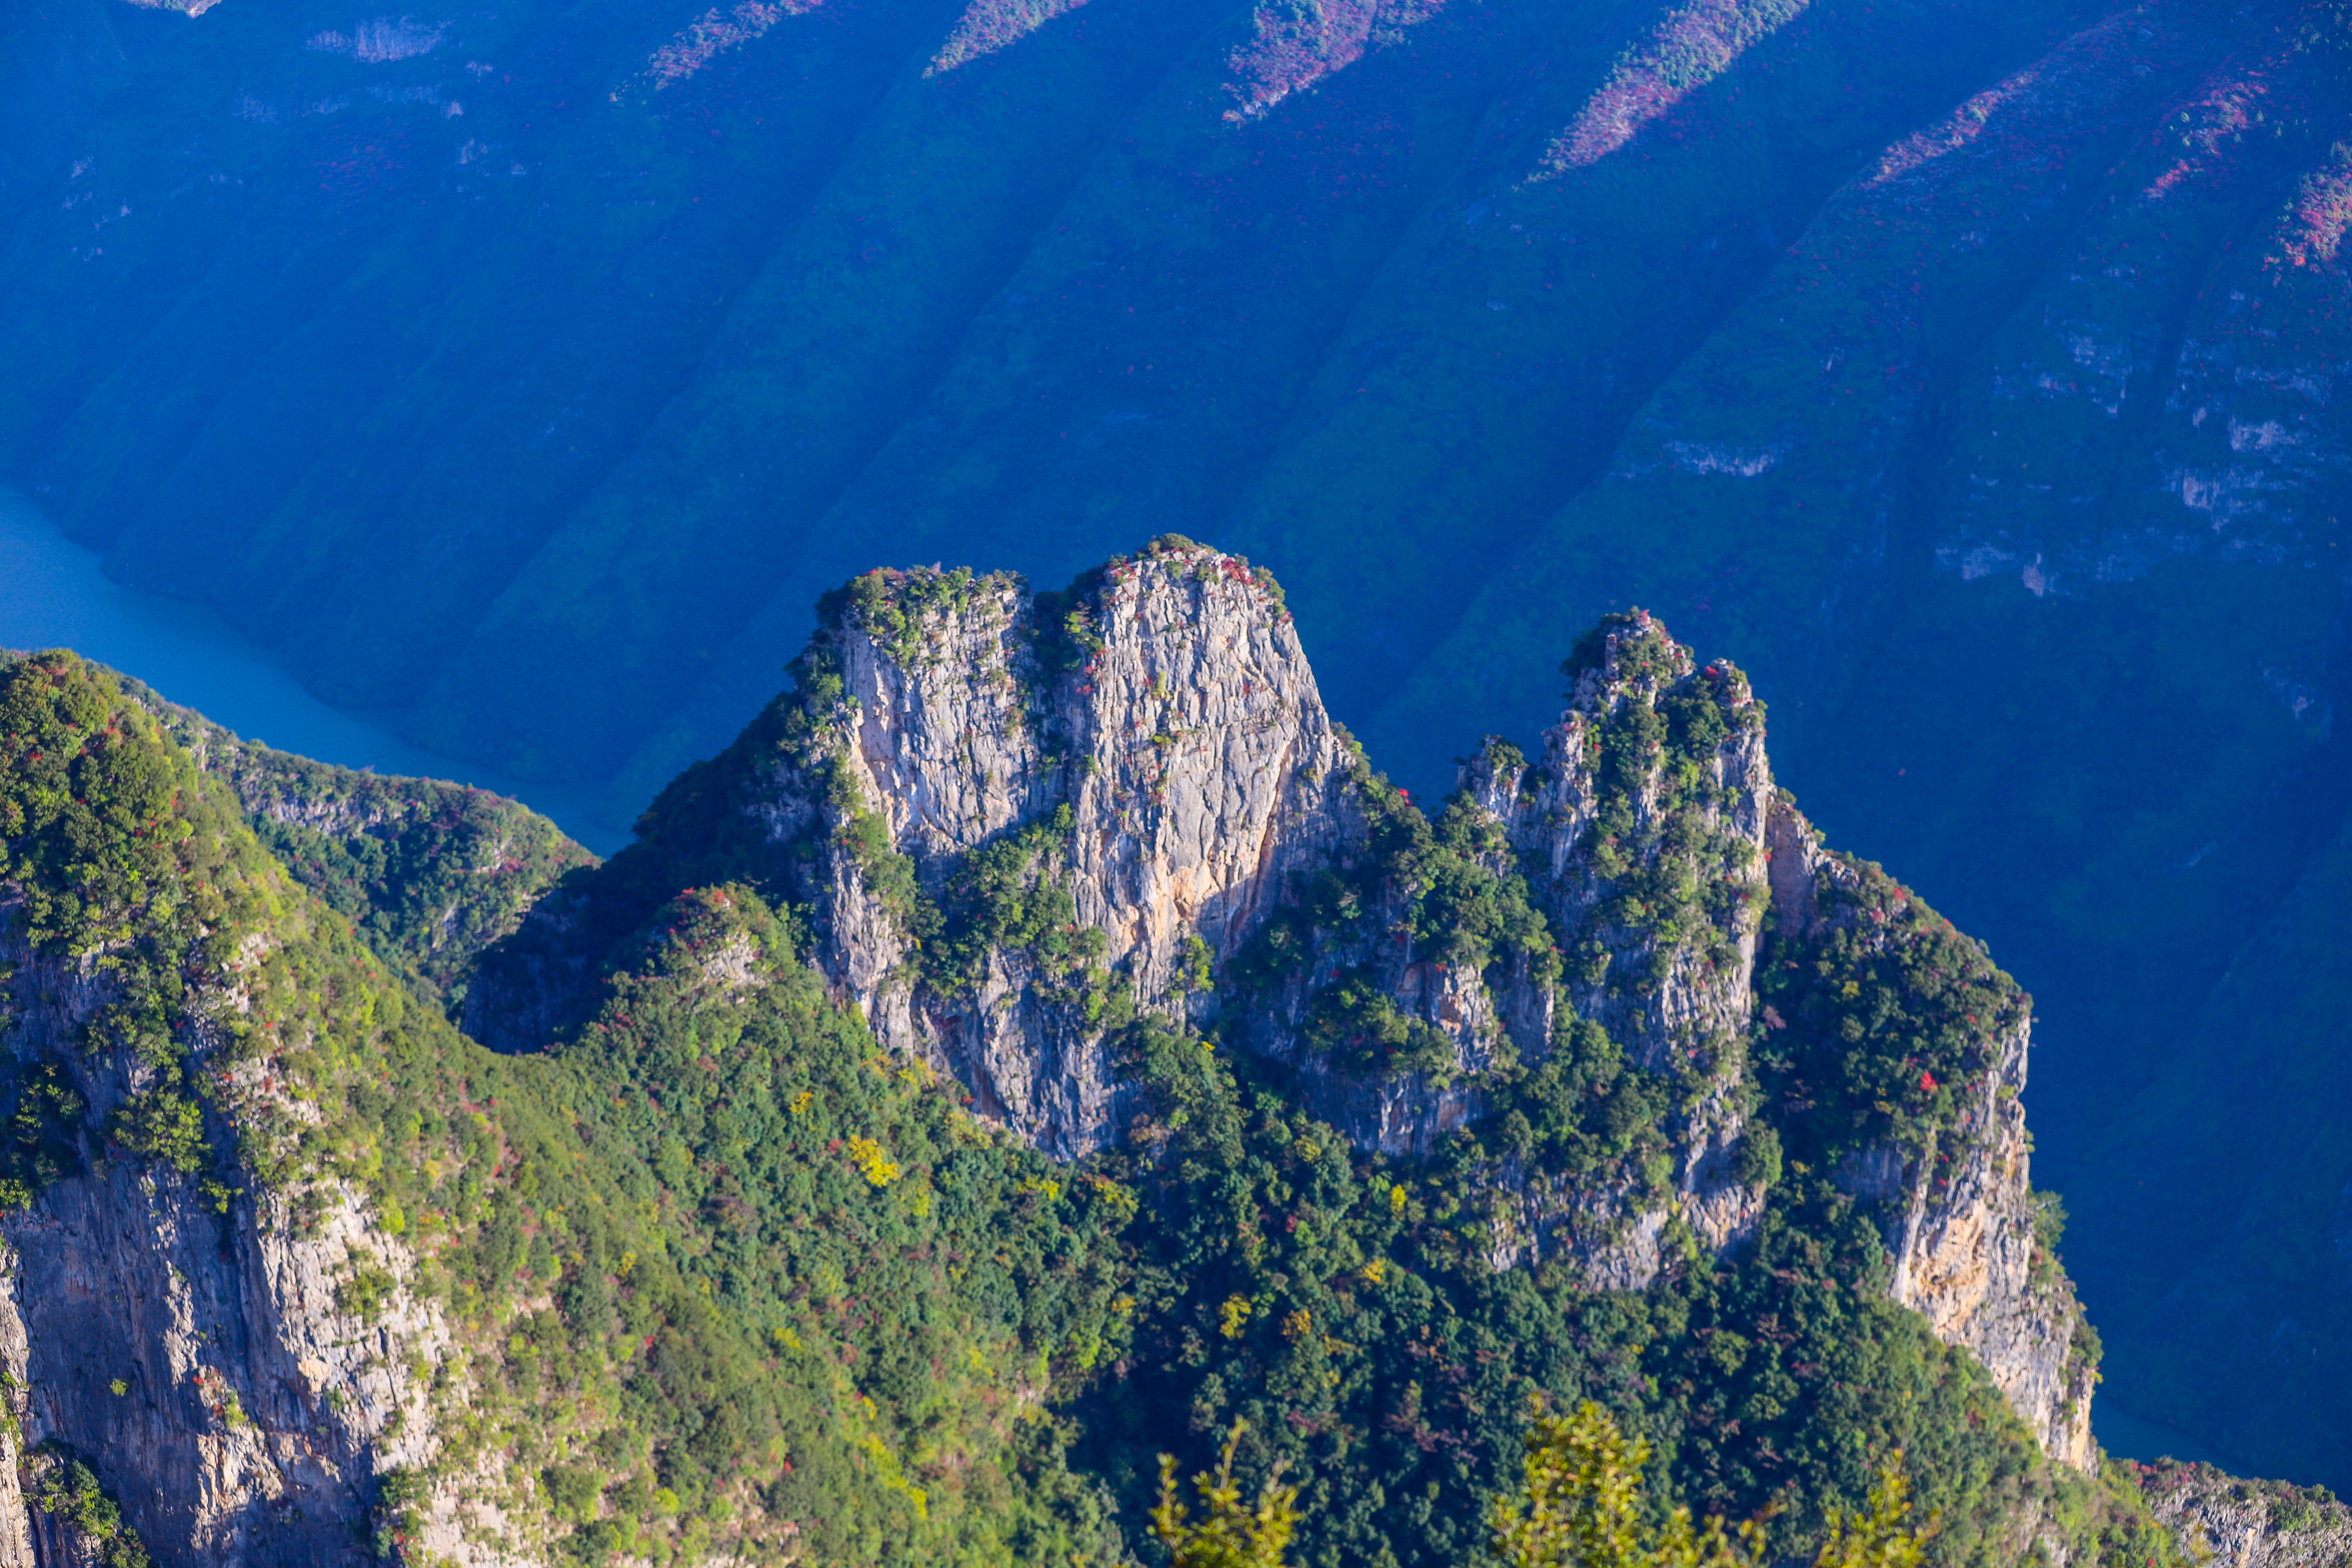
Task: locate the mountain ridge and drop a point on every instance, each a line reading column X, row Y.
column 520, row 1236
column 1968, row 373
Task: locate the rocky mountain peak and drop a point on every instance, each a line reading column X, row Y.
column 1028, row 817
column 1611, row 1011
column 1196, row 822
column 1643, row 828
column 1033, row 833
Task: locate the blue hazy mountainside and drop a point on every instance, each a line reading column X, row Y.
column 1972, row 371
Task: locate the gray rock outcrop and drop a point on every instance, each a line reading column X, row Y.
column 1962, row 1231
column 2233, row 1522
column 1169, row 733
column 1182, row 751
column 1012, row 832
column 201, row 1350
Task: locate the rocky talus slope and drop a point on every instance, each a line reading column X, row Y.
column 1014, row 823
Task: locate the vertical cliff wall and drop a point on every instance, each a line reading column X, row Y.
column 2229, row 1521
column 213, row 1334
column 1643, row 828
column 286, row 1280
column 1147, row 759
column 1165, row 729
column 1954, row 1197
column 206, row 1346
column 1026, row 827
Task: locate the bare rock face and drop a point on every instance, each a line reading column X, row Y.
column 1966, row 1262
column 1960, row 1222
column 1404, row 1113
column 1211, row 779
column 2236, row 1523
column 200, row 1346
column 938, row 731
column 1023, row 824
column 1166, row 734
column 1024, row 832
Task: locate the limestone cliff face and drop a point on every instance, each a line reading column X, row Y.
column 2237, row 1523
column 1965, row 1260
column 1165, row 727
column 1961, row 1228
column 1175, row 745
column 1204, row 786
column 196, row 1344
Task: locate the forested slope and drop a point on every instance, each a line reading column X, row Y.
column 1970, row 372
column 1684, row 1114
column 518, row 367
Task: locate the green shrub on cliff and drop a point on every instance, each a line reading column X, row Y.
column 1884, row 1029
column 1231, row 1533
column 66, row 1489
column 1353, row 1024
column 41, row 1144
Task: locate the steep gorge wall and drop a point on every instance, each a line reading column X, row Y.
column 225, row 1337
column 1205, row 789
column 2239, row 1523
column 1961, row 1232
column 2114, row 243
column 202, row 1343
column 1022, row 824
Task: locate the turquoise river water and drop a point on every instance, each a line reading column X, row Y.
column 53, row 595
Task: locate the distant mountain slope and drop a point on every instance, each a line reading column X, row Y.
column 58, row 60
column 1972, row 371
column 2229, row 1305
column 2022, row 481
column 538, row 368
